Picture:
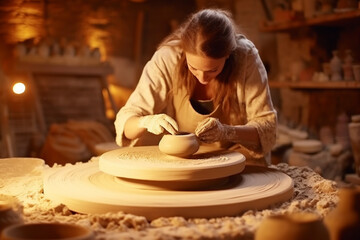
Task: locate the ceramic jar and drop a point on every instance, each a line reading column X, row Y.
column 343, row 222
column 295, row 226
column 9, row 215
column 336, row 67
column 354, row 135
column 180, row 145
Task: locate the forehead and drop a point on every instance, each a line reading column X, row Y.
column 203, row 63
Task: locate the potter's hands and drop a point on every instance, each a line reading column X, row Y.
column 211, row 130
column 158, row 123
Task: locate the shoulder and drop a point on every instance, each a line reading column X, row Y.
column 169, row 53
column 245, row 46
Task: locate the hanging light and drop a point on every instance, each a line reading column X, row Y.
column 19, row 88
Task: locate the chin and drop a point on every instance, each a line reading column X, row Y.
column 204, row 82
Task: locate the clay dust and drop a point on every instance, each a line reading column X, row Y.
column 312, row 193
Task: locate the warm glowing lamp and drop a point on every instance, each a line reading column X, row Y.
column 19, row 88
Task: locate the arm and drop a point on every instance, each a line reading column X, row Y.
column 150, row 97
column 211, row 129
column 131, row 128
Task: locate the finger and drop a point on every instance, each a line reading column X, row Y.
column 172, row 122
column 206, row 125
column 170, row 126
column 202, row 126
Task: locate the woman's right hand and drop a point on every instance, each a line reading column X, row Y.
column 159, row 123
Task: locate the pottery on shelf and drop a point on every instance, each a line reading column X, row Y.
column 343, row 222
column 336, row 67
column 354, row 135
column 179, row 145
column 47, row 231
column 356, row 71
column 307, row 146
column 348, row 66
column 295, row 226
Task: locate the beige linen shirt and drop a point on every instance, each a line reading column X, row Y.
column 151, row 97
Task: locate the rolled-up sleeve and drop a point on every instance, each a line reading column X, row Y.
column 256, row 101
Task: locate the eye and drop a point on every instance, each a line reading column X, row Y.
column 190, row 67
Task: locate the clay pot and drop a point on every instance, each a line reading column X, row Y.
column 296, row 226
column 47, row 231
column 8, row 214
column 344, row 221
column 180, row 145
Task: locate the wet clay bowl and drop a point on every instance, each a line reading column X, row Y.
column 179, row 145
column 48, row 231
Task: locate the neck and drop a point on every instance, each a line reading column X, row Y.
column 203, row 92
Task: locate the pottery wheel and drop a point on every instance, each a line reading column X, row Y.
column 149, row 163
column 86, row 189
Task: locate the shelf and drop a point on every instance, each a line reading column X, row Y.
column 316, row 85
column 334, row 19
column 62, row 69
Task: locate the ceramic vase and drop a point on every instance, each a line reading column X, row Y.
column 354, row 133
column 348, row 66
column 180, row 145
column 343, row 222
column 296, row 226
column 335, row 66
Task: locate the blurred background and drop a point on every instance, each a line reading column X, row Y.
column 67, row 66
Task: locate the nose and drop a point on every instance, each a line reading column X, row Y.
column 202, row 76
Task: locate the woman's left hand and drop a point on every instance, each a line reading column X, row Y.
column 211, row 130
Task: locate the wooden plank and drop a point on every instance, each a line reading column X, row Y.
column 333, row 19
column 316, row 85
column 101, row 69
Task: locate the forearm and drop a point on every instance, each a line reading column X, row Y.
column 247, row 136
column 132, row 129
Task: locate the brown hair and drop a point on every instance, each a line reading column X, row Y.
column 209, row 33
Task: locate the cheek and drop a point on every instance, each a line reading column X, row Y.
column 192, row 72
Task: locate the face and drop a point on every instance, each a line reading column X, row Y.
column 205, row 69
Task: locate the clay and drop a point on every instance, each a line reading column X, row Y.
column 295, row 226
column 313, row 193
column 85, row 189
column 49, row 231
column 148, row 163
column 180, row 145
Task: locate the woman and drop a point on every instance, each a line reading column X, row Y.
column 206, row 79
